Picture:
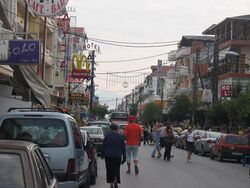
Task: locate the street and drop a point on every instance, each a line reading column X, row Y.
column 157, row 173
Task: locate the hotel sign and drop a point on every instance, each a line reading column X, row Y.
column 47, row 7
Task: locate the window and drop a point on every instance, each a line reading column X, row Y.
column 46, row 169
column 44, row 132
column 241, row 140
column 76, row 135
column 11, row 173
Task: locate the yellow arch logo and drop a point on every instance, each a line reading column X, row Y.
column 80, row 63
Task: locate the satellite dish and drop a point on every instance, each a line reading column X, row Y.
column 125, row 84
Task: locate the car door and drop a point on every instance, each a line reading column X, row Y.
column 216, row 146
column 81, row 155
column 48, row 179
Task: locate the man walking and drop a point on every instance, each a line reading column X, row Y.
column 132, row 135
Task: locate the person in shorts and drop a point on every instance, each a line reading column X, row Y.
column 190, row 143
column 132, row 135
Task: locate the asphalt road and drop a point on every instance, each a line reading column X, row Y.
column 178, row 173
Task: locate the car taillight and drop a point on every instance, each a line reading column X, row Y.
column 71, row 166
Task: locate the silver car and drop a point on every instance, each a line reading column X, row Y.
column 204, row 144
column 96, row 133
column 59, row 138
column 23, row 166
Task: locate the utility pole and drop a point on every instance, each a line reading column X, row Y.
column 92, row 61
column 197, row 59
column 215, row 70
column 162, row 84
column 44, row 48
column 116, row 105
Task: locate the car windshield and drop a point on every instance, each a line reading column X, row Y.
column 214, row 135
column 44, row 132
column 92, row 130
column 11, row 171
column 240, row 140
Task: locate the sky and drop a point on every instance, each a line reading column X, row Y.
column 143, row 21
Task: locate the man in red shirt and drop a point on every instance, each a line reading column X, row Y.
column 132, row 135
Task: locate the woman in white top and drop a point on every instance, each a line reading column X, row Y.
column 190, row 143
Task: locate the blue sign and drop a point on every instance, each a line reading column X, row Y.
column 22, row 52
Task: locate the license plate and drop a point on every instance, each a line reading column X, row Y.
column 238, row 154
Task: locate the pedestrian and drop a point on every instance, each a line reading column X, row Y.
column 190, row 143
column 247, row 132
column 156, row 138
column 114, row 152
column 132, row 135
column 168, row 141
column 145, row 135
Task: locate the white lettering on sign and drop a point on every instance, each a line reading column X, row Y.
column 26, row 48
column 226, row 90
column 4, row 48
column 47, row 7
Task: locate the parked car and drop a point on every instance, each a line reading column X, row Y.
column 97, row 135
column 204, row 144
column 92, row 155
column 59, row 138
column 103, row 124
column 24, row 166
column 230, row 146
column 181, row 142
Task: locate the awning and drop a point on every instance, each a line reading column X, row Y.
column 222, row 54
column 6, row 70
column 25, row 79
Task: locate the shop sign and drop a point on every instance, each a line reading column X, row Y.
column 82, row 67
column 226, row 90
column 20, row 52
column 78, row 97
column 47, row 7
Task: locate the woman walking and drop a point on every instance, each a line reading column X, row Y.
column 169, row 139
column 190, row 143
column 114, row 153
column 156, row 136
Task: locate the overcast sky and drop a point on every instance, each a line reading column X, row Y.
column 144, row 21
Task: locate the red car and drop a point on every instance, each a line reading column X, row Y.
column 230, row 146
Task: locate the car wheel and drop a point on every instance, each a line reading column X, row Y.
column 87, row 183
column 211, row 155
column 220, row 158
column 195, row 150
column 238, row 160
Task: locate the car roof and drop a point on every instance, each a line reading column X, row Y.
column 35, row 113
column 90, row 127
column 16, row 144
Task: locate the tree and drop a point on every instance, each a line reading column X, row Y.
column 181, row 108
column 151, row 112
column 100, row 111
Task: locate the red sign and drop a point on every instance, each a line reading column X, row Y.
column 80, row 74
column 226, row 90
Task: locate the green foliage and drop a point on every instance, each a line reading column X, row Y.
column 180, row 109
column 216, row 115
column 151, row 112
column 243, row 109
column 100, row 111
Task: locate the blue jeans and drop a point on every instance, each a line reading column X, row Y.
column 157, row 145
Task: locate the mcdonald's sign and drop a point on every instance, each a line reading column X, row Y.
column 82, row 67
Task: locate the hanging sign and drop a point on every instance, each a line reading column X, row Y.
column 47, row 8
column 20, row 52
column 82, row 67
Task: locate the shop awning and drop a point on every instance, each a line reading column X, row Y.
column 6, row 70
column 26, row 80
